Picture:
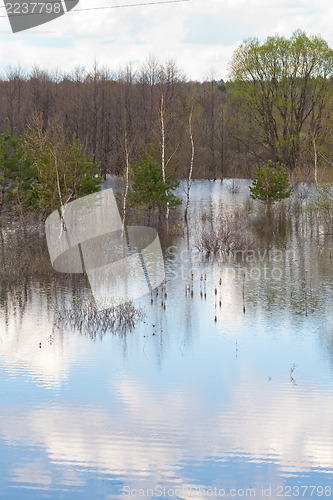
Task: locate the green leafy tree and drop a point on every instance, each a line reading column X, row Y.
column 58, row 169
column 270, row 184
column 148, row 187
column 285, row 83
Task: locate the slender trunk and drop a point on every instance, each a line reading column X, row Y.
column 62, row 204
column 2, row 201
column 315, row 159
column 2, row 241
column 189, row 180
column 126, row 183
column 3, row 189
column 163, row 152
column 222, row 143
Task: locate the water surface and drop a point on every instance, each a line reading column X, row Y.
column 199, row 395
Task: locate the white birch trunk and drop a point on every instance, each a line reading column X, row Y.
column 126, row 183
column 163, row 151
column 189, row 180
column 62, row 205
column 315, row 159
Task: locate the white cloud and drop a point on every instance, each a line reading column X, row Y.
column 150, row 438
column 118, row 36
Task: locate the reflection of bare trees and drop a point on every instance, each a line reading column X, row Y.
column 22, row 257
column 304, row 264
column 26, row 272
column 82, row 315
column 23, row 251
column 25, row 268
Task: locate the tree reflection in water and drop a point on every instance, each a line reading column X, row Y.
column 82, row 315
column 25, row 269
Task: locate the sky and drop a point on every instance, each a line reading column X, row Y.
column 199, row 35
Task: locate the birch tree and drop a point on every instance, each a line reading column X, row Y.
column 190, row 172
column 165, row 162
column 127, row 170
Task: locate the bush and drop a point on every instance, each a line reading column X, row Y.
column 148, row 187
column 226, row 238
column 270, row 184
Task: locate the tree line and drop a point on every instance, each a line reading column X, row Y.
column 277, row 105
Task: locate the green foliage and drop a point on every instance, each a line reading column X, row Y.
column 270, row 184
column 148, row 187
column 57, row 169
column 44, row 170
column 286, row 84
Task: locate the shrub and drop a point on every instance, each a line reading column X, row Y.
column 148, row 188
column 270, row 184
column 226, row 238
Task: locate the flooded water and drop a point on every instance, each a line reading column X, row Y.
column 224, row 393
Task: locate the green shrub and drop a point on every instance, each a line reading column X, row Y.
column 270, row 183
column 148, row 187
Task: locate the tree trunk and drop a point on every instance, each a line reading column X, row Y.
column 315, row 160
column 189, row 180
column 126, row 183
column 163, row 152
